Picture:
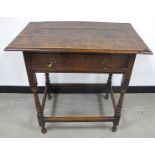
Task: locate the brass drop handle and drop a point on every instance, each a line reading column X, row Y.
column 50, row 65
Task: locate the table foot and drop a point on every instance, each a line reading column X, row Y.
column 106, row 96
column 114, row 129
column 49, row 97
column 43, row 130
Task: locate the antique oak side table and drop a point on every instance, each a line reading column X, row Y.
column 79, row 47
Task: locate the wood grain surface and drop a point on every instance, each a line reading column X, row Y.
column 79, row 63
column 79, row 37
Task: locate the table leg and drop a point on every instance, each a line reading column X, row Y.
column 33, row 84
column 124, row 86
column 117, row 114
column 109, row 82
column 40, row 115
column 48, row 85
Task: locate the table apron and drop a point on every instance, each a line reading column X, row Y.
column 78, row 63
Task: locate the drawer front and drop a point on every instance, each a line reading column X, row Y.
column 78, row 63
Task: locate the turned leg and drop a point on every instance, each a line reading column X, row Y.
column 39, row 110
column 109, row 82
column 33, row 84
column 37, row 103
column 117, row 114
column 48, row 85
column 124, row 86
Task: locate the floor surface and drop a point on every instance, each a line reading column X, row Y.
column 18, row 116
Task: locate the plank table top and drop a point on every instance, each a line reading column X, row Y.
column 79, row 37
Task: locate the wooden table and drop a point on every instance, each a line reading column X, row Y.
column 79, row 47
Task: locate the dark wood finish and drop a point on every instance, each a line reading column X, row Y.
column 113, row 98
column 79, row 47
column 48, row 85
column 80, row 119
column 109, row 82
column 81, row 37
column 44, row 98
column 78, row 63
column 33, row 83
column 124, row 86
